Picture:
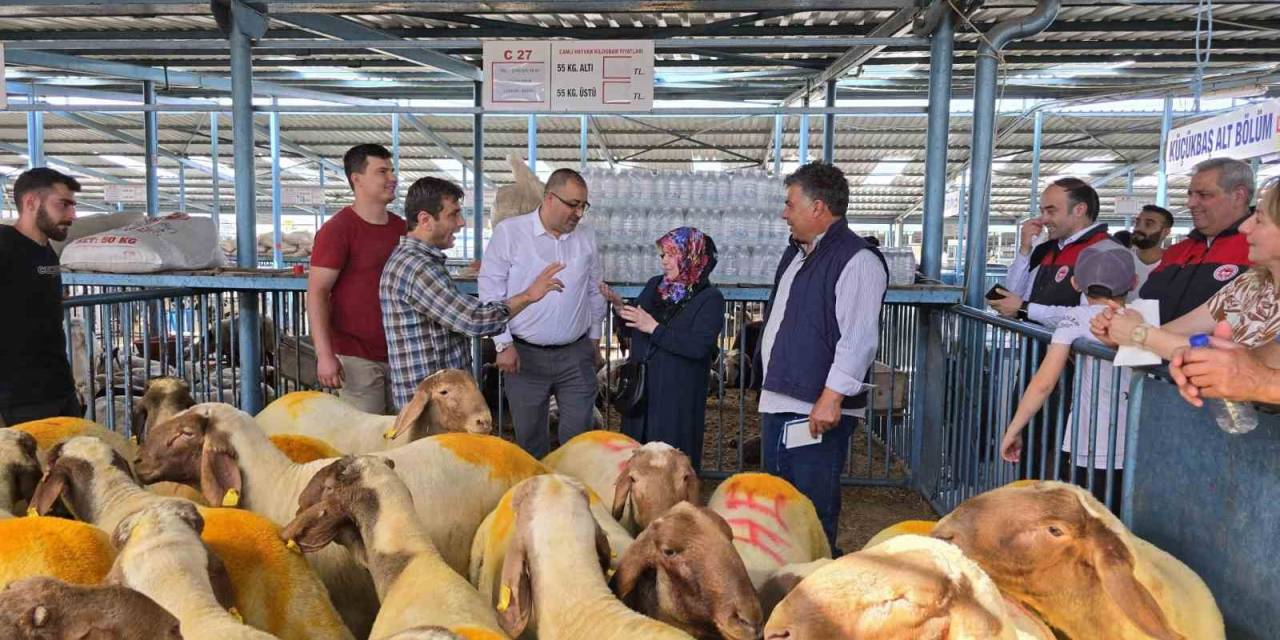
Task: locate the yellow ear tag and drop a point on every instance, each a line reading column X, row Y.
column 608, row 575
column 231, row 498
column 389, row 434
column 133, row 439
column 504, row 598
column 236, row 614
column 292, row 545
column 31, row 512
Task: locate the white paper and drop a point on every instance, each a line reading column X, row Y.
column 796, row 434
column 1134, row 356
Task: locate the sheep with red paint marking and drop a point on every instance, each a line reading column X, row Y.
column 773, row 523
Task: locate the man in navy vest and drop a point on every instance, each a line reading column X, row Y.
column 821, row 328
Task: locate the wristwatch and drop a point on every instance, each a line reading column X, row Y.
column 501, row 346
column 1139, row 335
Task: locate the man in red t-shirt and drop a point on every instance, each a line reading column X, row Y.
column 342, row 290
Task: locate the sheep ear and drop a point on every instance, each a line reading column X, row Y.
column 39, row 616
column 1114, row 564
column 693, row 488
column 604, row 552
column 636, row 564
column 220, row 580
column 120, row 537
column 219, row 471
column 140, row 419
column 621, row 492
column 515, row 598
column 51, row 487
column 411, row 413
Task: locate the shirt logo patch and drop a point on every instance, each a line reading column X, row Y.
column 1062, row 274
column 1225, row 272
column 48, row 270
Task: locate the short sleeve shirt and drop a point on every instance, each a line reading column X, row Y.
column 1249, row 305
column 358, row 250
column 33, row 351
column 1088, row 406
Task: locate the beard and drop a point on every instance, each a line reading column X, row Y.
column 1143, row 241
column 46, row 225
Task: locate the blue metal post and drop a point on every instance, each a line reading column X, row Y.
column 477, row 174
column 151, row 136
column 1037, row 138
column 582, row 144
column 395, row 152
column 182, row 187
column 533, row 143
column 277, row 259
column 246, row 213
column 213, row 170
column 829, row 126
column 35, row 136
column 941, row 50
column 777, row 145
column 961, row 227
column 1162, row 176
column 804, row 139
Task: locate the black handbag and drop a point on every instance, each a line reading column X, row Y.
column 627, row 394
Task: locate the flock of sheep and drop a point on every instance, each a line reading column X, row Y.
column 315, row 521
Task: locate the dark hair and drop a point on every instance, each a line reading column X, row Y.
column 428, row 194
column 561, row 177
column 1164, row 213
column 39, row 179
column 1079, row 191
column 357, row 158
column 1124, row 237
column 825, row 182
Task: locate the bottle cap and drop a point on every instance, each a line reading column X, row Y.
column 1200, row 340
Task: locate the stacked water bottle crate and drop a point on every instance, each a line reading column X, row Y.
column 741, row 211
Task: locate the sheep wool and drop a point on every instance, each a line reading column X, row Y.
column 904, row 528
column 773, row 523
column 74, row 552
column 303, row 449
column 50, row 431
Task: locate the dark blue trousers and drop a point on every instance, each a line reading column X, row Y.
column 814, row 469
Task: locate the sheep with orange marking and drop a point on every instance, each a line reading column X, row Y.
column 274, row 588
column 74, row 552
column 456, row 480
column 773, row 523
column 904, row 528
column 446, row 401
column 302, row 449
column 362, row 503
column 642, row 481
column 19, row 471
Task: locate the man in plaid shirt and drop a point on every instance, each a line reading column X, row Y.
column 427, row 320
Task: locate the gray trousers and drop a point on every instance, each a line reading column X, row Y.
column 569, row 374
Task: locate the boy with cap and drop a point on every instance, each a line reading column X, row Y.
column 1104, row 273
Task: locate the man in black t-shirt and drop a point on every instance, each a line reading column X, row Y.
column 35, row 377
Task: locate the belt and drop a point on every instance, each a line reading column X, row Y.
column 519, row 340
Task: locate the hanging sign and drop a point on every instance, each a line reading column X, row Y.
column 951, row 205
column 125, row 193
column 1242, row 134
column 584, row 76
column 301, row 196
column 1128, row 206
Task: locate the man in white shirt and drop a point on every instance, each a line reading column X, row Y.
column 1153, row 226
column 553, row 347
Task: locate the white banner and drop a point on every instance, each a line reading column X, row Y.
column 1128, row 206
column 578, row 76
column 1242, row 134
column 951, row 205
column 126, row 193
column 301, row 196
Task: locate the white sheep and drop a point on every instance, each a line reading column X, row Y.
column 365, row 497
column 19, row 471
column 44, row 607
column 908, row 588
column 275, row 589
column 445, row 401
column 773, row 523
column 222, row 450
column 554, row 570
column 1054, row 547
column 641, row 481
column 162, row 557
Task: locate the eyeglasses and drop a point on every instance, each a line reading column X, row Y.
column 576, row 206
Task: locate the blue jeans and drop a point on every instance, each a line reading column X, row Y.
column 813, row 469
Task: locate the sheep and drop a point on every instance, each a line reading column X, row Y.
column 644, row 481
column 906, row 527
column 274, row 588
column 1054, row 547
column 554, row 567
column 773, row 523
column 19, row 471
column 908, row 588
column 445, row 401
column 222, row 450
column 70, row 551
column 302, row 449
column 49, row 432
column 362, row 503
column 46, row 608
column 162, row 557
column 684, row 571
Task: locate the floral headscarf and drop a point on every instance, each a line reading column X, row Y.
column 697, row 254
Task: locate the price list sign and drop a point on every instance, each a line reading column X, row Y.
column 582, row 76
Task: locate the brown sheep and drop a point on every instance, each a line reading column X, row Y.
column 48, row 609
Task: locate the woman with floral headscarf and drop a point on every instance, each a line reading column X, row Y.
column 674, row 326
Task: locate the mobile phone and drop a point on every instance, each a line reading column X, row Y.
column 997, row 292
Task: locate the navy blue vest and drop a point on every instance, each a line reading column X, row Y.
column 806, row 342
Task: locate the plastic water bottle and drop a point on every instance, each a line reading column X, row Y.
column 1232, row 417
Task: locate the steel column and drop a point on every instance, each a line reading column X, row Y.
column 213, row 170
column 582, row 143
column 829, row 126
column 804, row 139
column 182, row 188
column 1037, row 142
column 35, row 139
column 941, row 50
column 532, row 152
column 777, row 146
column 277, row 259
column 984, row 127
column 246, row 213
column 151, row 138
column 477, row 202
column 395, row 152
column 1162, row 175
column 324, row 207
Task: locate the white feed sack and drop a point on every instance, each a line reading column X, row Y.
column 520, row 197
column 177, row 242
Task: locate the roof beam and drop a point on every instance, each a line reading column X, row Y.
column 897, row 25
column 343, row 29
column 134, row 140
column 440, row 142
column 604, row 144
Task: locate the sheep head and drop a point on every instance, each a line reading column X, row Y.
column 164, row 398
column 1054, row 546
column 171, row 526
column 655, row 478
column 73, row 465
column 446, row 401
column 684, row 571
column 46, row 608
column 191, row 449
column 338, row 500
column 19, row 469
